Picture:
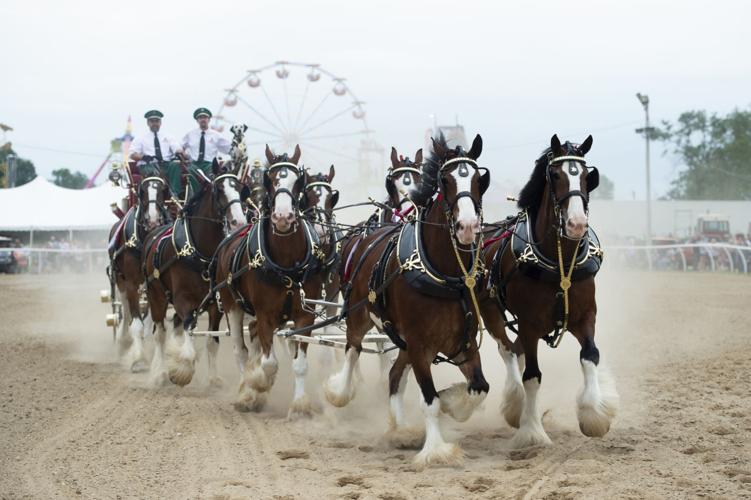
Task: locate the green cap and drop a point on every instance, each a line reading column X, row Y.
column 153, row 113
column 201, row 111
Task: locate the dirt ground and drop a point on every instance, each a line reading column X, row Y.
column 74, row 423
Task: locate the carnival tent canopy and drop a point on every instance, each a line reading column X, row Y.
column 43, row 206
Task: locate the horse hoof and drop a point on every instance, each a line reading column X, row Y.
column 337, row 396
column 181, row 375
column 405, row 438
column 512, row 403
column 528, row 438
column 300, row 408
column 458, row 402
column 443, row 454
column 249, row 400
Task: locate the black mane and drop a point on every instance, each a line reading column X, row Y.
column 430, row 170
column 530, row 197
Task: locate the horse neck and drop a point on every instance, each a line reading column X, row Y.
column 546, row 233
column 206, row 228
column 289, row 249
column 438, row 245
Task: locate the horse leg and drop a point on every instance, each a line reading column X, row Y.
column 159, row 374
column 135, row 358
column 513, row 389
column 260, row 371
column 339, row 388
column 212, row 346
column 181, row 361
column 530, row 432
column 300, row 406
column 597, row 403
column 435, row 450
column 398, row 434
column 462, row 399
column 248, row 399
column 123, row 331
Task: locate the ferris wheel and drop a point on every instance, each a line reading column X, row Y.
column 289, row 103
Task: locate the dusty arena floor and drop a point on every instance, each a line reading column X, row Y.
column 74, row 423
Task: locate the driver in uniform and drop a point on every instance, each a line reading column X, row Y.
column 156, row 153
column 202, row 145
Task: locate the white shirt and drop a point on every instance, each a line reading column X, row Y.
column 215, row 143
column 144, row 145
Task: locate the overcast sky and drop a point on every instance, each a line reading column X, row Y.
column 514, row 72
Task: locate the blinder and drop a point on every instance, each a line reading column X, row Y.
column 299, row 185
column 483, row 183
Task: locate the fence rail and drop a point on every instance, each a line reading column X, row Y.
column 44, row 260
column 685, row 256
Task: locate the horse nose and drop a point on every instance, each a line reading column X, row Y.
column 467, row 229
column 576, row 226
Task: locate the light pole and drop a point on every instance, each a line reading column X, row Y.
column 647, row 131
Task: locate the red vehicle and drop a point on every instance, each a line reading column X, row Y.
column 715, row 226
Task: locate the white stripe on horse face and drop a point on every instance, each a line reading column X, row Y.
column 283, row 201
column 467, row 214
column 575, row 213
column 231, row 193
column 404, row 184
column 151, row 193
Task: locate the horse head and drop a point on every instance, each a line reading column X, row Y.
column 454, row 174
column 153, row 191
column 284, row 181
column 319, row 201
column 562, row 180
column 402, row 178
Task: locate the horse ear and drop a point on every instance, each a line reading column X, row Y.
column 245, row 128
column 296, row 157
column 244, row 193
column 269, row 155
column 394, row 158
column 586, row 145
column 476, row 149
column 334, row 197
column 418, row 157
column 332, row 172
column 215, row 168
column 555, row 145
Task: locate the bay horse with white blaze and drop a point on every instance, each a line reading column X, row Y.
column 125, row 248
column 414, row 281
column 176, row 266
column 263, row 271
column 543, row 274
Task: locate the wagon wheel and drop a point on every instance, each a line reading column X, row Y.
column 288, row 103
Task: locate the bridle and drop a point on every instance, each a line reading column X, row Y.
column 319, row 214
column 449, row 207
column 160, row 207
column 558, row 202
column 394, row 173
column 271, row 200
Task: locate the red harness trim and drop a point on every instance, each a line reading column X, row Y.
column 490, row 241
column 401, row 215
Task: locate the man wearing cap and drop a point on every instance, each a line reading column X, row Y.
column 202, row 145
column 155, row 145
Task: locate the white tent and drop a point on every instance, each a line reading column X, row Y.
column 42, row 206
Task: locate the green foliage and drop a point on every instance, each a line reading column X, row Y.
column 716, row 152
column 25, row 171
column 63, row 177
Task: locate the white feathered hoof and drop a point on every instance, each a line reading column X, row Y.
column 336, row 391
column 530, row 437
column 405, row 438
column 124, row 341
column 249, row 399
column 447, row 454
column 216, row 382
column 261, row 376
column 512, row 404
column 596, row 411
column 459, row 403
column 300, row 408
